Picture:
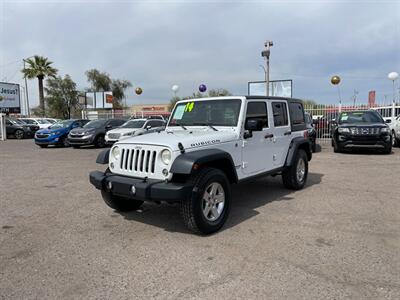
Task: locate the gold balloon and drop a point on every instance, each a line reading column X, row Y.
column 138, row 91
column 335, row 80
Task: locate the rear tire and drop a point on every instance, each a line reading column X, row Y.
column 207, row 207
column 295, row 176
column 120, row 203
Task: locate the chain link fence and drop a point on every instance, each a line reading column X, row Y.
column 324, row 116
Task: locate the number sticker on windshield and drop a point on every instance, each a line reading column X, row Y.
column 189, row 106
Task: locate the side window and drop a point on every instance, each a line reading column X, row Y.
column 296, row 113
column 257, row 110
column 279, row 110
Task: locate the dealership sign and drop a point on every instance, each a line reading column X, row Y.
column 10, row 101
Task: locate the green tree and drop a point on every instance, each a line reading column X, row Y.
column 118, row 88
column 99, row 81
column 62, row 96
column 39, row 67
column 102, row 82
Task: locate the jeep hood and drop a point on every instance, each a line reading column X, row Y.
column 188, row 138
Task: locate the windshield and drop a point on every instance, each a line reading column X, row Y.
column 206, row 112
column 42, row 121
column 29, row 121
column 133, row 124
column 61, row 124
column 360, row 117
column 95, row 124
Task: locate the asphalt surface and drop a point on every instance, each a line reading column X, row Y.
column 338, row 238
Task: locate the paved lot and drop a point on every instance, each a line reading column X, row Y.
column 338, row 238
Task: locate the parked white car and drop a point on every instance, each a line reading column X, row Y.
column 41, row 122
column 395, row 128
column 134, row 127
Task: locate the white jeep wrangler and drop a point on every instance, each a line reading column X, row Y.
column 208, row 145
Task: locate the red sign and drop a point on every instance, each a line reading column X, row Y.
column 371, row 98
column 109, row 98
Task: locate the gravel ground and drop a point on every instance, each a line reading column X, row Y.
column 337, row 238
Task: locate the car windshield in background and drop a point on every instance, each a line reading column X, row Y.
column 42, row 121
column 133, row 124
column 203, row 113
column 360, row 117
column 62, row 124
column 95, row 124
column 28, row 121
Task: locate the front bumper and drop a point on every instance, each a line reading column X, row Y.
column 372, row 141
column 84, row 140
column 149, row 190
column 53, row 140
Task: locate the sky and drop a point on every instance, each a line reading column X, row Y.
column 156, row 44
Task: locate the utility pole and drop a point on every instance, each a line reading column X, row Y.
column 266, row 53
column 26, row 92
column 355, row 97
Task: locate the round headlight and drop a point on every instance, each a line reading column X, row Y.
column 166, row 156
column 115, row 152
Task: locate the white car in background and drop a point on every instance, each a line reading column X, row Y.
column 134, row 127
column 41, row 122
column 395, row 128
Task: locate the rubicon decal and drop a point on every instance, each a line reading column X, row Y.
column 204, row 143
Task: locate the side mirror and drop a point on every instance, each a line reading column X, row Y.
column 148, row 127
column 388, row 121
column 109, row 126
column 253, row 124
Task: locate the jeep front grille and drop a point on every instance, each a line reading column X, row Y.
column 365, row 130
column 138, row 160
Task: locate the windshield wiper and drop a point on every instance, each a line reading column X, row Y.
column 206, row 124
column 177, row 124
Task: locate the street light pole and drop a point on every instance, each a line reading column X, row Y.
column 26, row 90
column 266, row 53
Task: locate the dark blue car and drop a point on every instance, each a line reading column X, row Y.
column 57, row 133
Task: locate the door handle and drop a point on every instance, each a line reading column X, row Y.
column 288, row 133
column 268, row 136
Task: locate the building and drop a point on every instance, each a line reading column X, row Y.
column 139, row 110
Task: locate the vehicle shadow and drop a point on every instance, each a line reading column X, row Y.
column 246, row 199
column 361, row 151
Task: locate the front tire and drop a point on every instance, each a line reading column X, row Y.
column 43, row 146
column 336, row 147
column 207, row 207
column 295, row 176
column 19, row 134
column 64, row 142
column 395, row 141
column 100, row 142
column 120, row 203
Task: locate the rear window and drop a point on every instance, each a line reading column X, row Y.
column 296, row 113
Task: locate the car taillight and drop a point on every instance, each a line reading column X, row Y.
column 305, row 134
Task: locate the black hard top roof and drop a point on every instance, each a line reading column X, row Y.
column 248, row 97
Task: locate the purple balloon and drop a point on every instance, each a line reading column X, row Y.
column 202, row 88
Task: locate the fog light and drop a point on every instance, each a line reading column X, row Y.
column 112, row 165
column 109, row 185
column 165, row 172
column 133, row 189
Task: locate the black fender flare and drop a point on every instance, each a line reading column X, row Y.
column 185, row 163
column 102, row 157
column 298, row 143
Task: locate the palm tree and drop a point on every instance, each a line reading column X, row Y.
column 39, row 67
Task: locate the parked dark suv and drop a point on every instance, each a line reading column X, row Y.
column 361, row 129
column 93, row 132
column 18, row 129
